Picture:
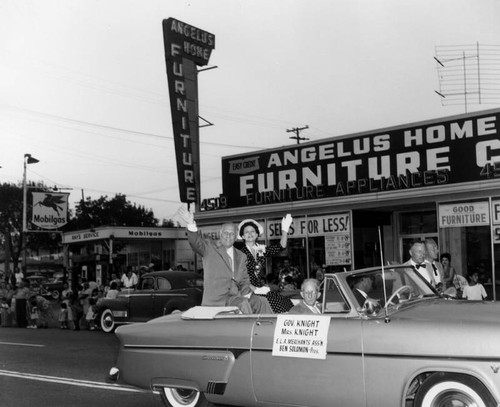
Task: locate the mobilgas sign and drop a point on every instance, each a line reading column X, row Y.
column 50, row 210
column 185, row 48
column 449, row 151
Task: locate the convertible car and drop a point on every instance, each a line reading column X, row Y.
column 405, row 345
column 157, row 293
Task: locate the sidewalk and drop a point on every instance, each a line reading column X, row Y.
column 53, row 322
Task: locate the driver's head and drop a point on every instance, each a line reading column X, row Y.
column 363, row 283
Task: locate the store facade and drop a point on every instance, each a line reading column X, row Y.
column 95, row 254
column 361, row 199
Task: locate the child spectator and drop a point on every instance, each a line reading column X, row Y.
column 474, row 291
column 63, row 315
column 33, row 323
column 91, row 314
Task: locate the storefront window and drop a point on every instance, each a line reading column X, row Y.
column 418, row 223
column 295, row 253
column 478, row 251
column 466, row 234
column 416, row 226
column 322, row 241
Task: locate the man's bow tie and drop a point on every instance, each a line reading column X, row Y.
column 417, row 266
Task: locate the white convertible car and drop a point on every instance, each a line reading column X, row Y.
column 414, row 348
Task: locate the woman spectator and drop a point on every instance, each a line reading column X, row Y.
column 448, row 271
column 249, row 230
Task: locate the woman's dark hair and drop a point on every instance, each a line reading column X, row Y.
column 252, row 224
column 445, row 256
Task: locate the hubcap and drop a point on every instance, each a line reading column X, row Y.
column 107, row 322
column 453, row 399
column 182, row 397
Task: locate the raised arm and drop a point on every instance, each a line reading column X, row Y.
column 286, row 222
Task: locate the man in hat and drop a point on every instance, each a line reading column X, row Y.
column 225, row 277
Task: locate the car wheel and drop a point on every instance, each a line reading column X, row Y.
column 446, row 389
column 55, row 294
column 173, row 397
column 108, row 323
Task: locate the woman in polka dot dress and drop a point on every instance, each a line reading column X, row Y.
column 249, row 230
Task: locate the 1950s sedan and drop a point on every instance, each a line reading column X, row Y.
column 157, row 293
column 413, row 347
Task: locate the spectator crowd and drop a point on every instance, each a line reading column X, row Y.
column 23, row 305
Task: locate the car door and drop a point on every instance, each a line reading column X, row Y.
column 334, row 381
column 323, row 364
column 141, row 301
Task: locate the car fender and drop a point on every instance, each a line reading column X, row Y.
column 118, row 304
column 211, row 375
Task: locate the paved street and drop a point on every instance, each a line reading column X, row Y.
column 53, row 367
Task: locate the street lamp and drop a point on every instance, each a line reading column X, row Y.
column 28, row 159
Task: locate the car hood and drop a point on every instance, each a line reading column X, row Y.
column 437, row 327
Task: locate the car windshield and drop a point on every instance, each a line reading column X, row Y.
column 389, row 287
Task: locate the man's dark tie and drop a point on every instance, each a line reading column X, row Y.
column 435, row 269
column 417, row 266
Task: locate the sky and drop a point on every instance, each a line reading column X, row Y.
column 83, row 85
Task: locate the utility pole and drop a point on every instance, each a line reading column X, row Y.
column 297, row 130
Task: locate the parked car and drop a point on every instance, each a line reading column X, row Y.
column 36, row 283
column 157, row 293
column 414, row 348
column 53, row 287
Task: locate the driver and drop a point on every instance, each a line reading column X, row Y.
column 362, row 286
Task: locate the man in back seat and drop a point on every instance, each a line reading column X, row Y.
column 310, row 293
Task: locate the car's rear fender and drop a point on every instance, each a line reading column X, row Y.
column 208, row 370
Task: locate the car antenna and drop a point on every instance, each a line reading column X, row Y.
column 386, row 319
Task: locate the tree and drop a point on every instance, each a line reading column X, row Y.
column 11, row 215
column 114, row 212
column 11, row 224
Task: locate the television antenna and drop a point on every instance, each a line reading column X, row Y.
column 468, row 74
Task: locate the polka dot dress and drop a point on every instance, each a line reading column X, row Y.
column 256, row 266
